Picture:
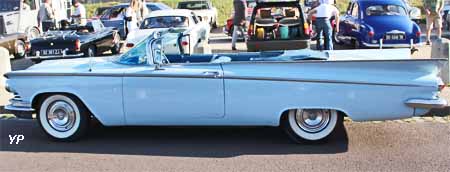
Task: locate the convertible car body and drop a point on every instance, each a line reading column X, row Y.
column 75, row 41
column 301, row 90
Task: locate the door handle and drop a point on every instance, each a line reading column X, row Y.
column 215, row 74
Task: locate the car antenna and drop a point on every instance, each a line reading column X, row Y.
column 90, row 63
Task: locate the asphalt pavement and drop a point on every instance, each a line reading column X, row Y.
column 386, row 146
column 403, row 145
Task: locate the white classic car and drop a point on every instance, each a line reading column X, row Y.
column 184, row 21
column 202, row 8
column 303, row 91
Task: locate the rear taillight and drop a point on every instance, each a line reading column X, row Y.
column 306, row 29
column 441, row 87
column 370, row 33
column 130, row 45
column 418, row 33
column 185, row 45
column 77, row 45
column 27, row 46
column 250, row 30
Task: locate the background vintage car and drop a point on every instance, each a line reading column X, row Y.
column 202, row 8
column 265, row 28
column 114, row 16
column 75, row 41
column 365, row 24
column 284, row 88
column 184, row 21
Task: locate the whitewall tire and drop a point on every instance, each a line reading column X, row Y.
column 310, row 125
column 63, row 118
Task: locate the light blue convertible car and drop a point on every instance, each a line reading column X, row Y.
column 303, row 91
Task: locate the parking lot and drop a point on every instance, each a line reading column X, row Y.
column 418, row 144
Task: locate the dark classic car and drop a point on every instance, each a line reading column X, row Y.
column 114, row 16
column 75, row 41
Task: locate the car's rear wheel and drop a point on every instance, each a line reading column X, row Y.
column 90, row 51
column 356, row 44
column 311, row 125
column 63, row 118
column 20, row 49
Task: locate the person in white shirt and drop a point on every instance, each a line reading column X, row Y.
column 46, row 16
column 79, row 15
column 323, row 14
column 131, row 16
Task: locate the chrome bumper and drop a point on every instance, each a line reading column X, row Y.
column 18, row 105
column 426, row 103
column 381, row 45
column 56, row 57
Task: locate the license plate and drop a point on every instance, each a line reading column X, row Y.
column 395, row 37
column 52, row 52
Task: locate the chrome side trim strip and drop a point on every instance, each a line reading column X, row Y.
column 205, row 76
column 426, row 104
column 320, row 81
column 22, row 109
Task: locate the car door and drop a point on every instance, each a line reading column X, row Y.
column 344, row 21
column 175, row 94
column 353, row 21
column 104, row 36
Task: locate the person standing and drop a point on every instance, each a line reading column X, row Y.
column 143, row 10
column 79, row 15
column 25, row 5
column 238, row 21
column 433, row 10
column 131, row 16
column 323, row 14
column 46, row 16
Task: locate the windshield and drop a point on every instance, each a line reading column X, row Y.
column 158, row 6
column 138, row 54
column 9, row 5
column 385, row 10
column 193, row 5
column 165, row 22
column 135, row 56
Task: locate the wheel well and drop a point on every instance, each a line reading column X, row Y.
column 37, row 100
column 285, row 114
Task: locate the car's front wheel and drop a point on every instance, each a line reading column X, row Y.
column 20, row 49
column 63, row 118
column 307, row 125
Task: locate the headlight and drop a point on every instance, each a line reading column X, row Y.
column 9, row 89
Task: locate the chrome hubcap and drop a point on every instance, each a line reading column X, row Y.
column 312, row 120
column 61, row 116
column 21, row 49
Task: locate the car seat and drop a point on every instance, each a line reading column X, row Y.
column 267, row 22
column 292, row 22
